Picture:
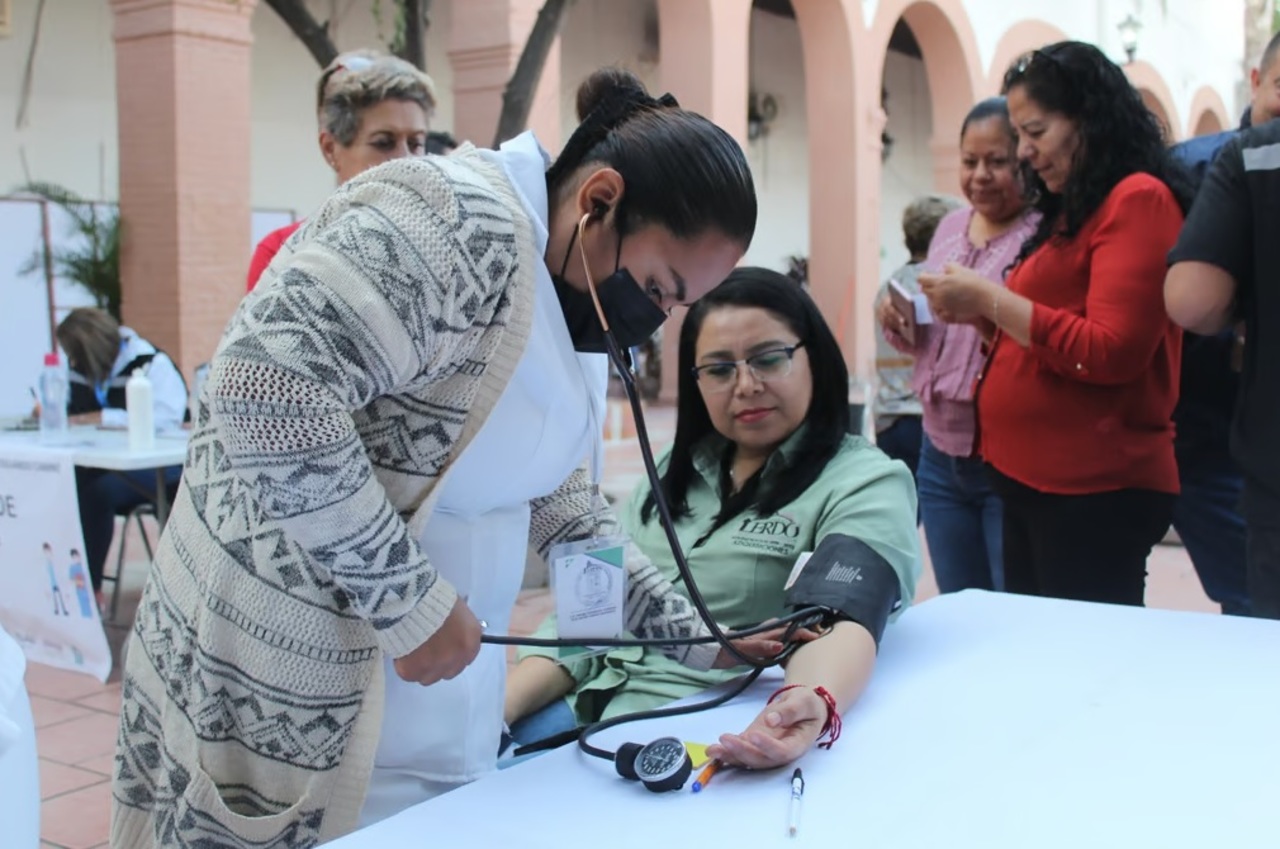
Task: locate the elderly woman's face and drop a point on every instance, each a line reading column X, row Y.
column 988, row 177
column 1047, row 141
column 392, row 129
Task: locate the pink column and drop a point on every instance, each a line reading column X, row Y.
column 485, row 42
column 705, row 64
column 183, row 103
column 842, row 86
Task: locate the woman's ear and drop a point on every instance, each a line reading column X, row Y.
column 328, row 148
column 600, row 191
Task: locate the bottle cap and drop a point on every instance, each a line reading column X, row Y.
column 51, row 359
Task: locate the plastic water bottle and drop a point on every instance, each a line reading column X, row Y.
column 142, row 415
column 53, row 400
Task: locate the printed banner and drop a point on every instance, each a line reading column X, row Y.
column 46, row 597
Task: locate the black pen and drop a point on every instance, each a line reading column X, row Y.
column 797, row 793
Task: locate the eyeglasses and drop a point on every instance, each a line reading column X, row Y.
column 1024, row 62
column 773, row 364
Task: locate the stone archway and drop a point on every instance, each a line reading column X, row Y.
column 952, row 66
column 1208, row 113
column 1024, row 36
column 1155, row 93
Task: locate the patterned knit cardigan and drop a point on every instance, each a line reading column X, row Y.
column 373, row 349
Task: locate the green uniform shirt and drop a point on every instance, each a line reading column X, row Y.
column 742, row 567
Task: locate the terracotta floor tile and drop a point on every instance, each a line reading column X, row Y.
column 78, row 740
column 101, row 764
column 52, row 711
column 60, row 684
column 107, row 701
column 56, row 778
column 77, row 820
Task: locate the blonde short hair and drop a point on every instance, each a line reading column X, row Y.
column 91, row 338
column 359, row 79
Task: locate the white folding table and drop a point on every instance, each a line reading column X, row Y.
column 99, row 448
column 991, row 721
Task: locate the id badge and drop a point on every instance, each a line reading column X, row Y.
column 589, row 582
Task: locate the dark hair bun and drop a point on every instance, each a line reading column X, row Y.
column 607, row 85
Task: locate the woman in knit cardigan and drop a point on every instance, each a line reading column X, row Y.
column 395, row 412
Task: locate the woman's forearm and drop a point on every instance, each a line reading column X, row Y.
column 535, row 682
column 1009, row 312
column 841, row 661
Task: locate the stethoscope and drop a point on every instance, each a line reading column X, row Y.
column 796, row 620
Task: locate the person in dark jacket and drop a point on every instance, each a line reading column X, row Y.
column 1206, row 515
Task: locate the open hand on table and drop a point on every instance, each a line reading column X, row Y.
column 784, row 730
column 958, row 295
column 446, row 652
column 764, row 645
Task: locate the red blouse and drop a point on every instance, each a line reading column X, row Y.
column 266, row 251
column 1086, row 407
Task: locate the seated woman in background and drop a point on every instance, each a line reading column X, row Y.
column 762, row 469
column 372, row 108
column 101, row 355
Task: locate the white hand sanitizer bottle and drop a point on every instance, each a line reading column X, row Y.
column 141, row 409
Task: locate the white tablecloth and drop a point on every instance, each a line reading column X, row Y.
column 97, row 448
column 991, row 721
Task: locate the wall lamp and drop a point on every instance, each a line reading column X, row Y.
column 761, row 112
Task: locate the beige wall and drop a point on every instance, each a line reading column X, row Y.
column 70, row 137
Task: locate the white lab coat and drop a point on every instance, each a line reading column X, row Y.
column 547, row 421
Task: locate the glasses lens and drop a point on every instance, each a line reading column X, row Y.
column 771, row 364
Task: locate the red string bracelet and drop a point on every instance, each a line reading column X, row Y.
column 832, row 726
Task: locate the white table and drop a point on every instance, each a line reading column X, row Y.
column 991, row 721
column 99, row 448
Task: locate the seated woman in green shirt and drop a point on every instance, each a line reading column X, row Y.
column 762, row 469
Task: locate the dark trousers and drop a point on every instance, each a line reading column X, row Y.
column 1208, row 521
column 901, row 441
column 104, row 495
column 1261, row 509
column 1084, row 547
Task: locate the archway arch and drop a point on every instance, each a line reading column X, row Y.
column 1208, row 113
column 951, row 60
column 1024, row 36
column 1155, row 93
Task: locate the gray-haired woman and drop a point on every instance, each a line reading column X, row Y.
column 371, row 108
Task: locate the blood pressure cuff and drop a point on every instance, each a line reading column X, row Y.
column 848, row 578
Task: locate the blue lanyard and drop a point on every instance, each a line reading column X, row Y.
column 100, row 389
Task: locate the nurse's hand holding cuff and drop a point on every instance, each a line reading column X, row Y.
column 446, row 652
column 762, row 645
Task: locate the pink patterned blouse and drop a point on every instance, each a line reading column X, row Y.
column 949, row 356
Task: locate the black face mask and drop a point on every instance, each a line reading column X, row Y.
column 632, row 315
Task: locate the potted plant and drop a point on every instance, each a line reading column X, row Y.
column 91, row 257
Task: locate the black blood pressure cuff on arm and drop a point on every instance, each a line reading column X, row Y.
column 848, row 578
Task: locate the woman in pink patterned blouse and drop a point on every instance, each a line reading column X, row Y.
column 962, row 516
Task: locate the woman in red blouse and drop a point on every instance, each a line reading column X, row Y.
column 1074, row 403
column 372, row 108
